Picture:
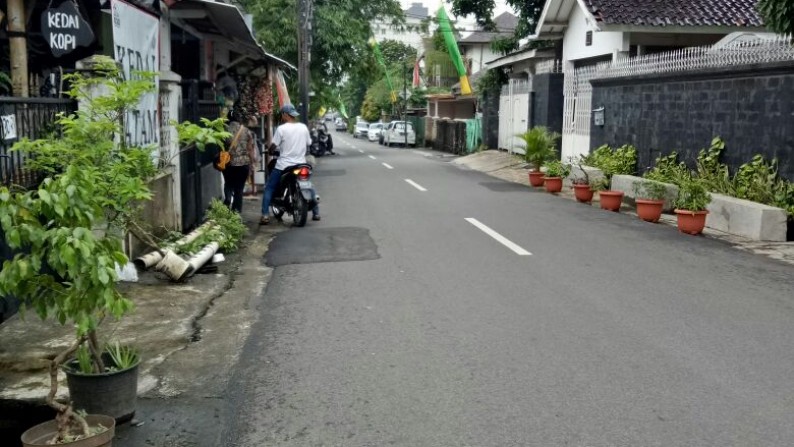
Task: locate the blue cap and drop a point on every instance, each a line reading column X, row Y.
column 289, row 109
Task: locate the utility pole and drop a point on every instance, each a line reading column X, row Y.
column 19, row 47
column 304, row 56
column 405, row 104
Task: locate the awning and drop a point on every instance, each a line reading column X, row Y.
column 224, row 21
column 521, row 55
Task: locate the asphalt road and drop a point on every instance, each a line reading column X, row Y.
column 437, row 306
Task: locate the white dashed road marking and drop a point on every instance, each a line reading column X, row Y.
column 372, row 157
column 388, row 166
column 415, row 185
column 499, row 238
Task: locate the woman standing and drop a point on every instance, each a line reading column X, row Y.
column 241, row 164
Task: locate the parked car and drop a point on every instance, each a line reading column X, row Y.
column 361, row 129
column 341, row 125
column 375, row 129
column 394, row 133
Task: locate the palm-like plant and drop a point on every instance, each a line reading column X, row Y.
column 540, row 145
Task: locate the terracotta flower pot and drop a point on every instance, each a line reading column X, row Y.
column 583, row 193
column 536, row 178
column 691, row 222
column 649, row 210
column 41, row 434
column 611, row 200
column 553, row 184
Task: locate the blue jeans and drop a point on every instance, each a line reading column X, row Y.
column 270, row 188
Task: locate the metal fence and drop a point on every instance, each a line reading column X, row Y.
column 26, row 118
column 197, row 189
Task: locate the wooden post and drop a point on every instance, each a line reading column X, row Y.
column 19, row 47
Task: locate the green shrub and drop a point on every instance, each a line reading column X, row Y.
column 620, row 161
column 668, row 169
column 692, row 196
column 556, row 168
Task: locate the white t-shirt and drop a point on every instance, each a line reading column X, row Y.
column 292, row 140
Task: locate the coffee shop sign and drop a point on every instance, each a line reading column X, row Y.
column 65, row 29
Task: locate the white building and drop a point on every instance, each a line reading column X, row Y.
column 476, row 47
column 412, row 32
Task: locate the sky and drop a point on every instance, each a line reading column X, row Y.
column 432, row 5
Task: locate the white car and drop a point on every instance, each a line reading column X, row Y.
column 373, row 134
column 361, row 129
column 394, row 133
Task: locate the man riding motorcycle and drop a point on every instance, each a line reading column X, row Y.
column 292, row 139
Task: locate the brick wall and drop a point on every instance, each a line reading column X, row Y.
column 751, row 108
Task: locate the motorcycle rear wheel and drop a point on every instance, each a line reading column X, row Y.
column 300, row 208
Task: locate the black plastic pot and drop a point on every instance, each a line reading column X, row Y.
column 113, row 393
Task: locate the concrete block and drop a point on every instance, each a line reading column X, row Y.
column 626, row 184
column 745, row 218
column 576, row 172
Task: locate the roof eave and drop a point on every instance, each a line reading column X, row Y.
column 684, row 29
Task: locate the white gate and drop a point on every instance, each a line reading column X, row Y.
column 578, row 94
column 513, row 114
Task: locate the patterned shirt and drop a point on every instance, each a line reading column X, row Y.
column 239, row 152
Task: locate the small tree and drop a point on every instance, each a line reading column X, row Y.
column 778, row 15
column 69, row 231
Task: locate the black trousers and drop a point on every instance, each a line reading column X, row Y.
column 234, row 178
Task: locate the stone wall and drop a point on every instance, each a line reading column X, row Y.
column 750, row 107
column 546, row 102
column 490, row 118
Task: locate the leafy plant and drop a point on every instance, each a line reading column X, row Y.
column 622, row 160
column 668, row 169
column 124, row 357
column 539, row 145
column 228, row 230
column 5, row 82
column 84, row 362
column 692, row 196
column 68, row 233
column 711, row 171
column 556, row 168
column 650, row 190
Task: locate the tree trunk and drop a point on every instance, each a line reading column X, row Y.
column 19, row 47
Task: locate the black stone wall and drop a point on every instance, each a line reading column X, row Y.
column 751, row 108
column 547, row 101
column 490, row 118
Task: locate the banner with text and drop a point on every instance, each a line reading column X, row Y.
column 136, row 43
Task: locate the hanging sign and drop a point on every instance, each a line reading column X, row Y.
column 136, row 44
column 65, row 29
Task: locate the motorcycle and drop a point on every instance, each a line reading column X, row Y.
column 321, row 142
column 295, row 194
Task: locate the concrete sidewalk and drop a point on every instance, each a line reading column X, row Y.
column 513, row 168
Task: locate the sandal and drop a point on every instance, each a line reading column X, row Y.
column 264, row 221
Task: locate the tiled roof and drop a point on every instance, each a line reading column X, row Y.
column 676, row 12
column 416, row 11
column 506, row 24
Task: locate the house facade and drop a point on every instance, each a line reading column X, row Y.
column 592, row 32
column 476, row 47
column 417, row 27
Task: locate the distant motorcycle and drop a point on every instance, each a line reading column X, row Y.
column 321, row 141
column 295, row 194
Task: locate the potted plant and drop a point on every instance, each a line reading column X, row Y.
column 649, row 197
column 582, row 187
column 68, row 234
column 693, row 198
column 622, row 160
column 555, row 171
column 539, row 147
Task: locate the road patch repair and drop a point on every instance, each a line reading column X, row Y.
column 309, row 246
